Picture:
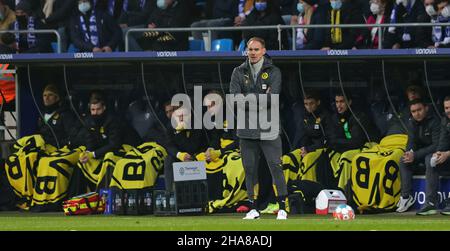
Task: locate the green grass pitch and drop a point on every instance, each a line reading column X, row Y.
column 18, row 221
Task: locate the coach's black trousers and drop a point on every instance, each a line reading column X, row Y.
column 251, row 152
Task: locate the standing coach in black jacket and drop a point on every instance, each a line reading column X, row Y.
column 257, row 75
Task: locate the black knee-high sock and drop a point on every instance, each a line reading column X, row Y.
column 253, row 204
column 281, row 202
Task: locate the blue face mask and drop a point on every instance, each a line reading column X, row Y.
column 84, row 7
column 161, row 4
column 261, row 6
column 300, row 8
column 336, row 5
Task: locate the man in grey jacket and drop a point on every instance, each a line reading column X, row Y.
column 437, row 163
column 259, row 80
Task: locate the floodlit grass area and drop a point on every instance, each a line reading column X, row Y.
column 18, row 221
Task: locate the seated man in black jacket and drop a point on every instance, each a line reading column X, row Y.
column 423, row 139
column 183, row 144
column 352, row 130
column 103, row 132
column 59, row 126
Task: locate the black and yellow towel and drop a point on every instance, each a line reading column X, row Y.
column 139, row 167
column 341, row 163
column 375, row 174
column 39, row 173
column 297, row 168
column 230, row 165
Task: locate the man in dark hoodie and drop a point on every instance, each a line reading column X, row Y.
column 26, row 20
column 94, row 30
column 258, row 77
column 423, row 139
column 59, row 126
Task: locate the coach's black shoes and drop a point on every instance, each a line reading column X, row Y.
column 446, row 210
column 428, row 209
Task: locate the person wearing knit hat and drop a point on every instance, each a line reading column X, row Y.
column 58, row 125
column 51, row 98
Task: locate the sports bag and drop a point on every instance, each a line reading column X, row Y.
column 88, row 203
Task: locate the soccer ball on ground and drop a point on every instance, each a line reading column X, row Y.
column 343, row 212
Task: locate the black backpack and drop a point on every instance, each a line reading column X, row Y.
column 302, row 196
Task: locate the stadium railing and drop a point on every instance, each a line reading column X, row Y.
column 279, row 29
column 45, row 31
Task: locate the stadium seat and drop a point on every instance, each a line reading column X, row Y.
column 242, row 46
column 72, row 49
column 196, row 45
column 225, row 44
column 54, row 47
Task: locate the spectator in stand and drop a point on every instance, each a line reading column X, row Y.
column 8, row 43
column 223, row 14
column 26, row 20
column 407, row 11
column 245, row 7
column 380, row 13
column 309, row 12
column 439, row 12
column 7, row 16
column 112, row 7
column 135, row 15
column 342, row 12
column 94, row 30
column 169, row 14
column 265, row 13
column 286, row 9
column 55, row 14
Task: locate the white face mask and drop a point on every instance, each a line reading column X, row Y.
column 446, row 11
column 375, row 8
column 430, row 10
column 84, row 7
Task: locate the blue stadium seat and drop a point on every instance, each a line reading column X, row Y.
column 242, row 45
column 196, row 45
column 54, row 46
column 72, row 49
column 225, row 44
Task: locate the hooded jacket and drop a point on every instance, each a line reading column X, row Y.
column 242, row 83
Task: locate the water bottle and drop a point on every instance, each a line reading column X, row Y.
column 158, row 202
column 117, row 203
column 164, row 205
column 131, row 202
column 172, row 202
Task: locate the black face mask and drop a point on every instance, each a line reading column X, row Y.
column 22, row 20
column 51, row 108
column 99, row 119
